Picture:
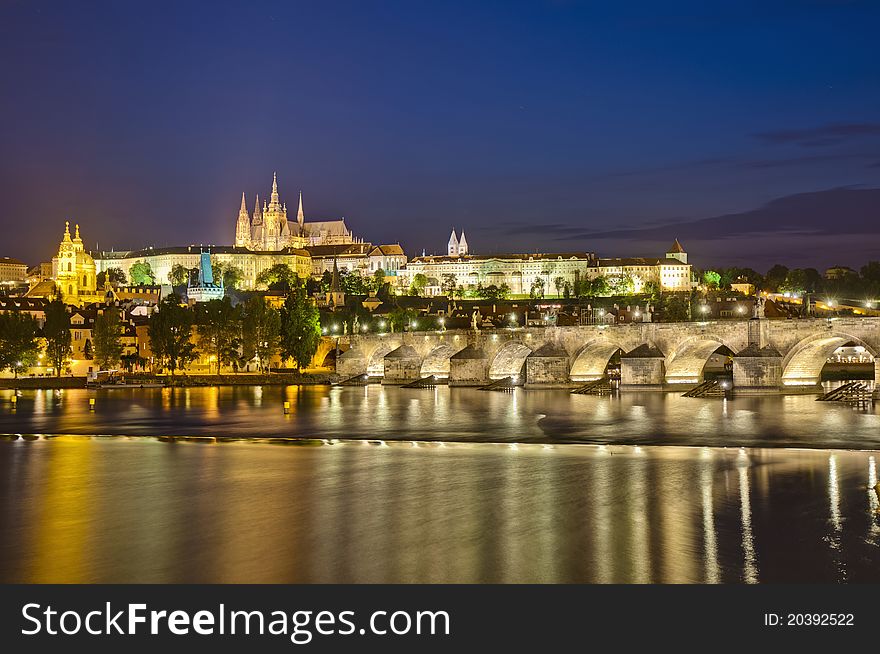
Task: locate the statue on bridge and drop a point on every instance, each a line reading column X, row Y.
column 475, row 319
column 759, row 307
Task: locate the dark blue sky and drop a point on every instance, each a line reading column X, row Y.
column 533, row 125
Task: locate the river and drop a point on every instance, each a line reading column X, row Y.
column 443, row 485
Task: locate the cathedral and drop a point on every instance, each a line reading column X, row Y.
column 269, row 230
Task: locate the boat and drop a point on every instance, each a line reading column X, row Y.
column 109, row 379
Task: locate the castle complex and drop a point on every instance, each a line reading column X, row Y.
column 265, row 238
column 269, row 230
column 522, row 273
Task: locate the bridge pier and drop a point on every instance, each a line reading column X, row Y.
column 547, row 367
column 644, row 368
column 469, row 367
column 757, row 370
column 351, row 363
column 877, row 378
column 402, row 365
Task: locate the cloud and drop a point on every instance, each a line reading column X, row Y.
column 845, row 210
column 820, row 136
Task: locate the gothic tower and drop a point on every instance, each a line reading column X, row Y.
column 462, row 245
column 453, row 245
column 243, row 226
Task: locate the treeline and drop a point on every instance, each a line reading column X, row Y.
column 226, row 334
column 861, row 284
column 235, row 335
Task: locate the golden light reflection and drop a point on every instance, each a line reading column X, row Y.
column 62, row 529
column 750, row 558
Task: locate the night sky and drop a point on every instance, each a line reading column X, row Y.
column 545, row 125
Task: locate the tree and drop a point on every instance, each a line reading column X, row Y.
column 559, row 283
column 871, row 271
column 87, row 350
column 622, row 284
column 675, row 307
column 19, row 346
column 352, row 283
column 537, row 289
column 179, row 275
column 419, row 282
column 56, row 331
column 599, row 286
column 400, row 318
column 300, row 327
column 279, row 277
column 170, row 329
column 378, row 280
column 261, row 331
column 107, row 334
column 712, row 280
column 232, row 277
column 493, row 292
column 219, row 329
column 142, row 274
column 116, row 277
column 775, row 277
column 449, row 284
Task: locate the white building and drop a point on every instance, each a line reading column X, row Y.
column 522, row 272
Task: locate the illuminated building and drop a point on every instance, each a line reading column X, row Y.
column 74, row 271
column 268, row 228
column 206, row 289
column 520, row 272
column 12, row 271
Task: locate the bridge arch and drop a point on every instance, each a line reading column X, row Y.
column 803, row 364
column 376, row 361
column 685, row 364
column 592, row 359
column 509, row 360
column 437, row 361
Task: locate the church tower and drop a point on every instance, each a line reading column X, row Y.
column 462, row 245
column 300, row 216
column 257, row 226
column 274, row 220
column 73, row 270
column 677, row 252
column 453, row 245
column 243, row 226
column 336, row 296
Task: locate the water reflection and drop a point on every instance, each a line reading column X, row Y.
column 75, row 509
column 449, row 414
column 750, row 559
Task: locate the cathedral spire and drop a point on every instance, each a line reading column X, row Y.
column 67, row 230
column 76, row 237
column 300, row 216
column 274, row 197
column 243, row 204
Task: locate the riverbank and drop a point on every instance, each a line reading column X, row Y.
column 180, row 381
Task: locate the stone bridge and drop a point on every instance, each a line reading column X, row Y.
column 767, row 354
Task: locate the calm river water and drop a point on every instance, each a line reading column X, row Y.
column 445, row 485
